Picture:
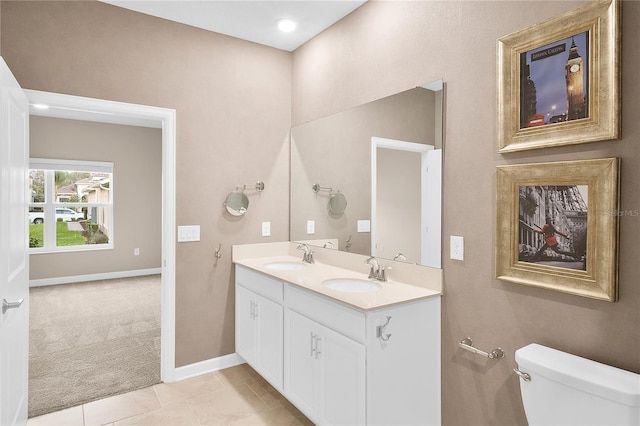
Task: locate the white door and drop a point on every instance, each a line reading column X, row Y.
column 14, row 255
column 341, row 379
column 301, row 366
column 245, row 325
column 270, row 340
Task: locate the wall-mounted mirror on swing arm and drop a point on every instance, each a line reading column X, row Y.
column 365, row 151
column 237, row 202
column 337, row 200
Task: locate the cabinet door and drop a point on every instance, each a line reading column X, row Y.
column 341, row 379
column 245, row 325
column 269, row 340
column 301, row 367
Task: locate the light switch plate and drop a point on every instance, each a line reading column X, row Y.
column 456, row 248
column 188, row 233
column 364, row 226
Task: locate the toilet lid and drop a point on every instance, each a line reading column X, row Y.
column 589, row 376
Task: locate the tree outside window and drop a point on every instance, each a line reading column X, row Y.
column 71, row 205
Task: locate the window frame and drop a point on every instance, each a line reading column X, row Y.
column 49, row 206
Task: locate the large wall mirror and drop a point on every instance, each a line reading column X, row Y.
column 383, row 161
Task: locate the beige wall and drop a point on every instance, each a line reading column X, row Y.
column 233, row 105
column 137, row 156
column 386, row 47
column 233, row 108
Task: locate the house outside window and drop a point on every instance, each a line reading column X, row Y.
column 71, row 206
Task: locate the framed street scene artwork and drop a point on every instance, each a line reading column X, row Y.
column 559, row 81
column 557, row 226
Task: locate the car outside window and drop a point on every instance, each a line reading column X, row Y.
column 71, row 205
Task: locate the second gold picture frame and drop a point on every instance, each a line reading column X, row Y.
column 557, row 226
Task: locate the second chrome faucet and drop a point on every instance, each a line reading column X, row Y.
column 307, row 257
column 377, row 272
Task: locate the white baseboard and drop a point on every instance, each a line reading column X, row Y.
column 207, row 366
column 93, row 277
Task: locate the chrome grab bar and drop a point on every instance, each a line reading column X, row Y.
column 467, row 343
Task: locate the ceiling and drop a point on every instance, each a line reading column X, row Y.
column 252, row 20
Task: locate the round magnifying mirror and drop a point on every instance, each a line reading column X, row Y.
column 237, row 203
column 337, row 203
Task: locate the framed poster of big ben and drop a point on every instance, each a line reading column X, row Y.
column 559, row 81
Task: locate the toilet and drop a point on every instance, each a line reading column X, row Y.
column 565, row 389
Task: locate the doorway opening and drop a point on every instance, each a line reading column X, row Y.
column 89, row 109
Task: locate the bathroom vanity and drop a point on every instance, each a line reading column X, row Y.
column 342, row 348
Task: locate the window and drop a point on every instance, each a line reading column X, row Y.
column 71, row 205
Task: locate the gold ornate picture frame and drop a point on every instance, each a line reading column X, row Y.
column 559, row 81
column 557, row 226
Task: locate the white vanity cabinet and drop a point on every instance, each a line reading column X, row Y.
column 338, row 364
column 344, row 366
column 403, row 372
column 324, row 373
column 259, row 331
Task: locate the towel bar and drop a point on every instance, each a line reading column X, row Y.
column 467, row 343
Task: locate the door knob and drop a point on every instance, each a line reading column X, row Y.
column 6, row 305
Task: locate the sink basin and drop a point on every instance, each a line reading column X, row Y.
column 285, row 266
column 351, row 285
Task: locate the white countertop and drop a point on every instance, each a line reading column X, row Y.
column 312, row 275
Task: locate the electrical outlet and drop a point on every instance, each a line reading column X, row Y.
column 136, row 252
column 266, row 229
column 311, row 227
column 456, row 248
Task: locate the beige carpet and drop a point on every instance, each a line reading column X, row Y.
column 92, row 340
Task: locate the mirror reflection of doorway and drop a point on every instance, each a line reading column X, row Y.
column 405, row 201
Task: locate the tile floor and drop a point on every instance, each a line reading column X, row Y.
column 233, row 396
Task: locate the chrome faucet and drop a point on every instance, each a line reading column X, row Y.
column 308, row 254
column 400, row 257
column 376, row 272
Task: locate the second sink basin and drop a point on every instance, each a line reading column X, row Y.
column 285, row 266
column 351, row 285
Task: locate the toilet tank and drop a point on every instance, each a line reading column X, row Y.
column 569, row 390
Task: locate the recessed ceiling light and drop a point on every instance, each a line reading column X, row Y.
column 286, row 25
column 40, row 106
